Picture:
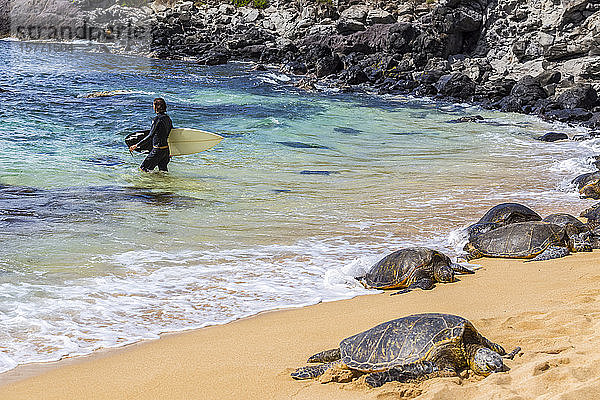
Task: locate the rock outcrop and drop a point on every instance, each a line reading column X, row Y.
column 532, row 56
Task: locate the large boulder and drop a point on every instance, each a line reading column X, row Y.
column 378, row 16
column 528, row 90
column 349, row 26
column 584, row 97
column 455, row 85
column 354, row 75
column 215, row 56
column 573, row 115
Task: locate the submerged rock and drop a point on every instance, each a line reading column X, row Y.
column 553, row 137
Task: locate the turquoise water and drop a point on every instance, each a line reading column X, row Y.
column 305, row 191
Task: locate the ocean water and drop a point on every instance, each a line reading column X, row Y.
column 306, row 191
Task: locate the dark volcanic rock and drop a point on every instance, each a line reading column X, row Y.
column 594, row 121
column 548, row 77
column 553, row 137
column 456, row 85
column 214, row 56
column 568, row 115
column 458, row 16
column 353, row 75
column 349, row 26
column 400, row 37
column 468, row 118
column 527, row 91
column 425, row 89
column 295, row 67
column 579, row 97
column 328, row 65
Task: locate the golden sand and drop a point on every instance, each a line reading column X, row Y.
column 551, row 309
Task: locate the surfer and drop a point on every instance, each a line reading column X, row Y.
column 159, row 133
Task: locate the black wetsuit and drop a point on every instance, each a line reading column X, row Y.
column 159, row 133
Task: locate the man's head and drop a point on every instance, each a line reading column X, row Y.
column 160, row 105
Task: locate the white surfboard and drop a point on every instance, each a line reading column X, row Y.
column 184, row 141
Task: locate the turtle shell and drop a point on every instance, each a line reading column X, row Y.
column 521, row 240
column 572, row 225
column 509, row 213
column 592, row 215
column 399, row 269
column 585, row 179
column 403, row 341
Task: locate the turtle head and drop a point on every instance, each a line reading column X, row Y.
column 443, row 273
column 485, row 362
column 471, row 251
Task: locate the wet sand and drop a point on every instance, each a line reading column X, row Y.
column 551, row 309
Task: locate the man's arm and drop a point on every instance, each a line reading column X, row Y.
column 148, row 137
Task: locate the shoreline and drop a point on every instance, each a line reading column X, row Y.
column 547, row 308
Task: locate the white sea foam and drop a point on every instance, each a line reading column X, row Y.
column 165, row 291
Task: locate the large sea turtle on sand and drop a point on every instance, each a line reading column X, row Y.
column 411, row 268
column 534, row 240
column 412, row 348
column 501, row 215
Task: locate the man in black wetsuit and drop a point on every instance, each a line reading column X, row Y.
column 159, row 133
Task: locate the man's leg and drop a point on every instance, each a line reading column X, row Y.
column 162, row 165
column 151, row 161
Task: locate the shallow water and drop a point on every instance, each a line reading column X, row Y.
column 305, row 190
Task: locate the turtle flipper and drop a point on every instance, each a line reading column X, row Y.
column 512, row 354
column 313, row 371
column 461, row 269
column 405, row 373
column 581, row 242
column 423, row 283
column 550, row 253
column 325, row 356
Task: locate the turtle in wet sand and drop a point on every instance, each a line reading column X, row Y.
column 500, row 215
column 533, row 240
column 411, row 268
column 412, row 348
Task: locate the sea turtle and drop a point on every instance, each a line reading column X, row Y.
column 572, row 225
column 580, row 233
column 592, row 215
column 510, row 213
column 500, row 215
column 416, row 347
column 588, row 185
column 521, row 240
column 410, row 268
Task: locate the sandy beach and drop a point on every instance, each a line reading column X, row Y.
column 548, row 308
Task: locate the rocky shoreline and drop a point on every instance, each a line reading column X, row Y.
column 530, row 57
column 507, row 55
